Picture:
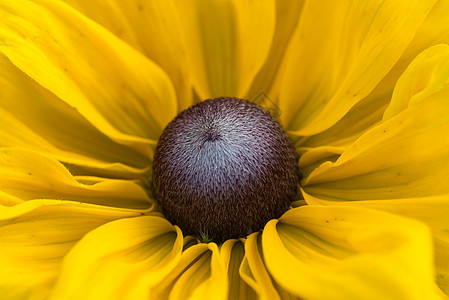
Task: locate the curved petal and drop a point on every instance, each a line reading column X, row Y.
column 153, row 28
column 36, row 235
column 368, row 112
column 109, row 14
column 323, row 82
column 361, row 117
column 311, row 158
column 166, row 46
column 434, row 31
column 418, row 112
column 354, row 253
column 432, row 210
column 406, row 155
column 199, row 274
column 215, row 286
column 113, row 86
column 232, row 253
column 228, row 42
column 29, row 175
column 268, row 78
column 426, row 75
column 108, row 261
column 63, row 133
column 253, row 270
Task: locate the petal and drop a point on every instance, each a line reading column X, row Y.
column 427, row 74
column 406, row 155
column 323, row 82
column 215, row 287
column 232, row 253
column 368, row 111
column 268, row 78
column 113, row 86
column 200, row 274
column 36, row 235
column 153, row 28
column 434, row 31
column 109, row 261
column 253, row 270
column 228, row 42
column 109, row 14
column 420, row 102
column 431, row 210
column 349, row 253
column 23, row 103
column 167, row 46
column 311, row 158
column 361, row 117
column 28, row 175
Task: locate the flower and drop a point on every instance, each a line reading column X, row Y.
column 86, row 89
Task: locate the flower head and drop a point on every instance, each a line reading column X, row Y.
column 86, row 90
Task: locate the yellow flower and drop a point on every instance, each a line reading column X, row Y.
column 86, row 89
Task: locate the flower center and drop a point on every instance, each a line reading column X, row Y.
column 223, row 168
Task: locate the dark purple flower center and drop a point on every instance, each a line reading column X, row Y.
column 223, row 168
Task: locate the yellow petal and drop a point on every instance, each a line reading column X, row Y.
column 368, row 111
column 431, row 210
column 108, row 261
column 406, row 155
column 35, row 237
column 109, row 14
column 322, row 252
column 228, row 42
column 268, row 78
column 414, row 138
column 311, row 158
column 426, row 75
column 157, row 27
column 113, row 86
column 215, row 286
column 339, row 53
column 433, row 31
column 232, row 253
column 253, row 270
column 23, row 103
column 153, row 28
column 28, row 175
column 200, row 274
column 361, row 117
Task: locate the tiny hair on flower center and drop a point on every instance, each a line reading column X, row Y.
column 223, row 168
